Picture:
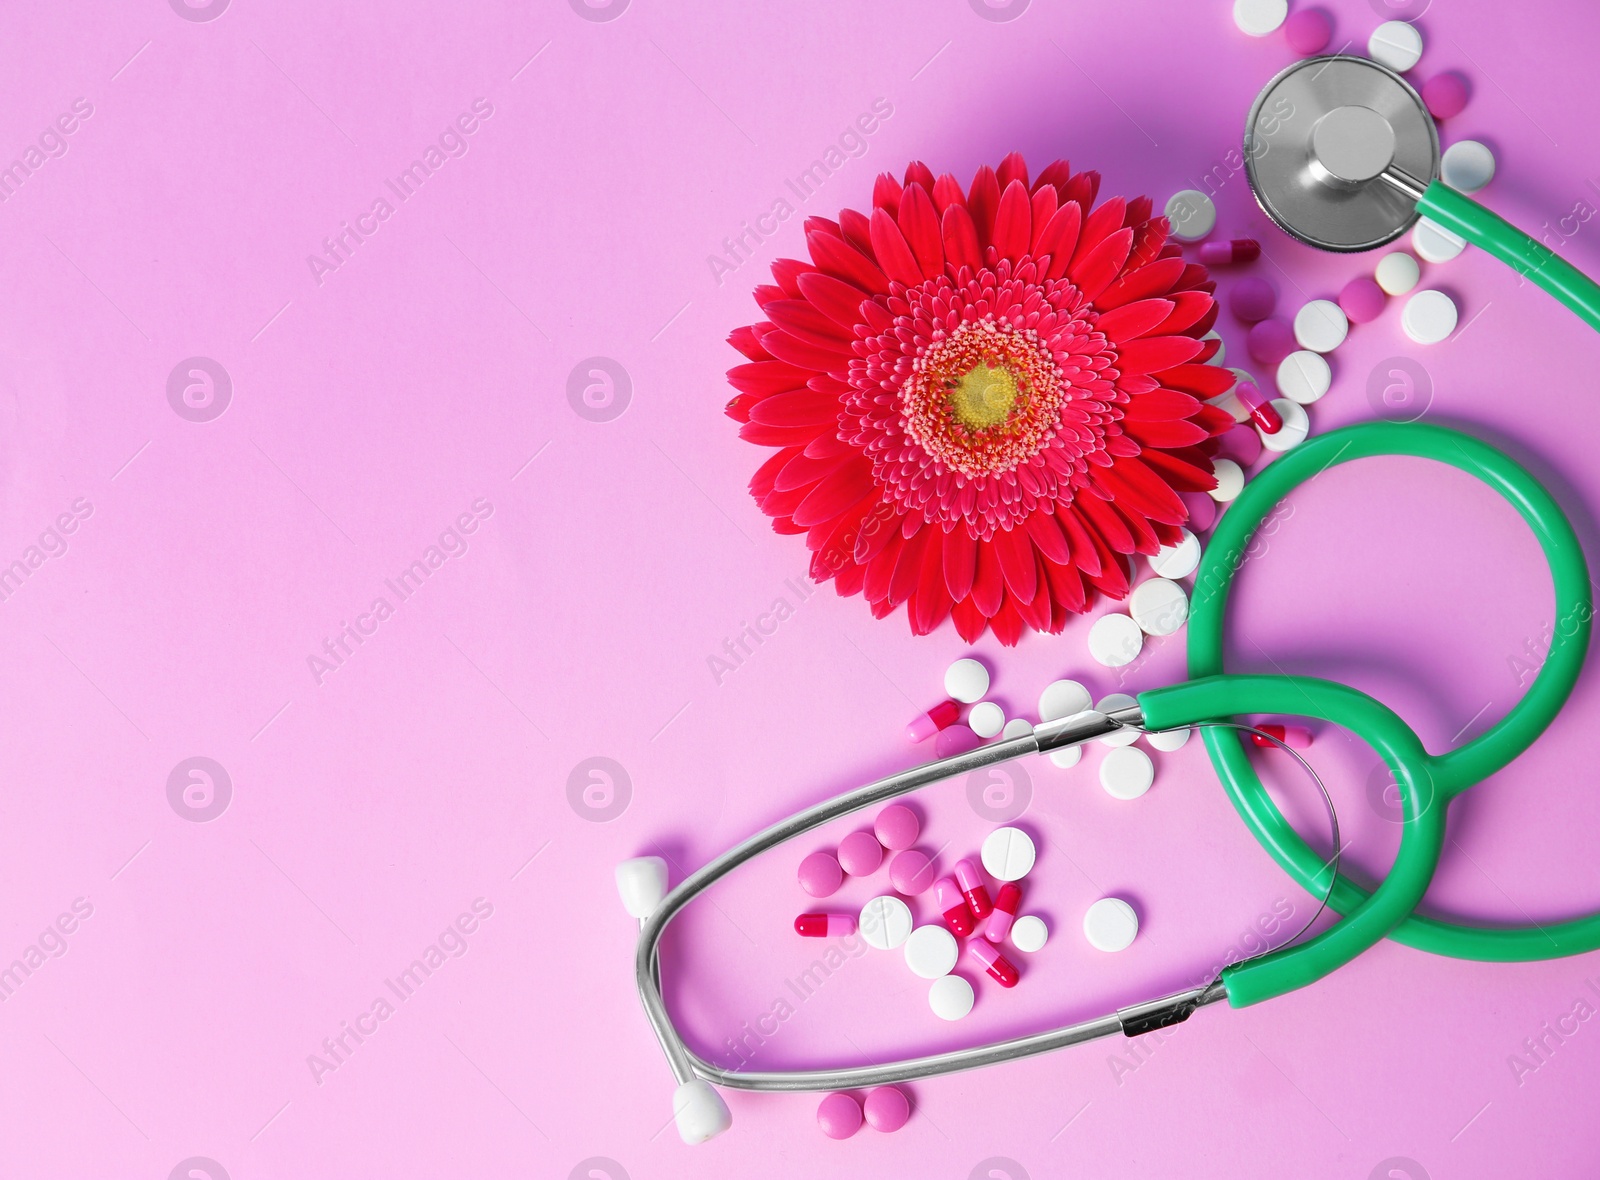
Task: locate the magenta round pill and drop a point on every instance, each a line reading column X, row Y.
column 1271, row 340
column 1202, row 510
column 820, row 874
column 1252, row 299
column 839, row 1116
column 911, row 872
column 1445, row 94
column 957, row 739
column 1362, row 300
column 1241, row 444
column 886, row 1108
column 1308, row 31
column 860, row 854
column 897, row 827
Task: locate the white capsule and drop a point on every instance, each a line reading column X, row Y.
column 1110, row 924
column 1191, row 213
column 950, row 997
column 1230, row 480
column 885, row 922
column 1467, row 166
column 1434, row 243
column 1396, row 44
column 966, row 681
column 1159, row 606
column 1304, row 376
column 931, row 951
column 1127, row 773
column 1259, row 17
column 1110, row 703
column 986, row 719
column 1115, row 640
column 1029, row 933
column 1428, row 317
column 1168, row 740
column 1296, row 425
column 1177, row 561
column 1007, row 854
column 1321, row 325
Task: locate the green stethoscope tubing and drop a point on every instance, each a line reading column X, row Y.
column 1421, row 778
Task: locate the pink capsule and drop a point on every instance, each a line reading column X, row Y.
column 973, row 889
column 994, row 963
column 825, row 925
column 952, row 906
column 1227, row 253
column 1005, row 912
column 1296, row 737
column 941, row 716
column 1262, row 412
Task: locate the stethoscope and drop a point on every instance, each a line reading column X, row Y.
column 1343, row 180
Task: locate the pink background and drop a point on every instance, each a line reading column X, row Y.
column 429, row 372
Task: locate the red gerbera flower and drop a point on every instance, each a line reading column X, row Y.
column 983, row 401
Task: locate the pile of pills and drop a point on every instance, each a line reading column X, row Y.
column 841, row 1114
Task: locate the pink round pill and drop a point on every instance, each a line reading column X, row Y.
column 1308, row 31
column 957, row 739
column 1202, row 510
column 897, row 827
column 1362, row 299
column 839, row 1116
column 886, row 1108
column 1445, row 94
column 1241, row 444
column 1252, row 299
column 1271, row 340
column 911, row 872
column 860, row 854
column 820, row 874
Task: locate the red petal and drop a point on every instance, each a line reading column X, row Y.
column 1145, row 491
column 1082, row 188
column 1085, row 554
column 1036, row 611
column 1015, row 551
column 929, row 602
column 1007, row 624
column 1105, row 524
column 788, row 271
column 960, row 561
column 802, row 470
column 1149, row 354
column 776, row 436
column 1121, row 324
column 800, row 407
column 982, row 201
column 1013, row 222
column 1202, row 380
column 908, row 568
column 1060, row 238
column 1165, row 434
column 1046, row 534
column 919, row 173
column 801, row 319
column 832, row 359
column 878, row 528
column 857, row 231
column 844, row 261
column 1185, row 477
column 920, row 226
column 822, row 225
column 894, row 255
column 746, row 341
column 766, row 476
column 849, row 580
column 1100, row 225
column 1188, row 307
column 834, row 298
column 1045, row 202
column 1056, row 173
column 1013, row 168
column 1155, row 279
column 947, row 192
column 886, row 192
column 970, row 622
column 1094, row 271
column 988, row 586
column 767, row 377
column 1066, row 586
column 961, row 238
column 1160, row 405
column 879, row 570
column 836, row 493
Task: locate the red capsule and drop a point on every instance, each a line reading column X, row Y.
column 952, row 907
column 1262, row 412
column 1005, row 911
column 1224, row 253
column 941, row 716
column 994, row 963
column 825, row 925
column 1296, row 737
column 973, row 888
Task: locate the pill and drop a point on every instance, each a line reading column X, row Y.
column 897, row 827
column 820, row 874
column 885, row 922
column 1271, row 340
column 950, row 997
column 1397, row 272
column 1115, row 640
column 1467, row 166
column 1434, row 243
column 987, row 719
column 1191, row 214
column 1029, row 933
column 825, row 925
column 1428, row 317
column 1230, row 252
column 1006, row 904
column 1362, row 300
column 1308, row 31
column 1296, row 737
column 839, row 1116
column 1127, row 773
column 1252, row 299
column 860, row 854
column 958, row 739
column 973, row 888
column 1110, row 924
column 953, row 907
column 1177, row 561
column 1396, row 44
column 1445, row 95
column 995, row 965
column 1110, row 703
column 1017, row 727
column 1063, row 698
column 886, row 1108
column 931, row 951
column 941, row 716
column 1305, row 376
column 966, row 680
column 1296, row 426
column 1168, row 740
column 1202, row 510
column 1320, row 326
column 1008, row 854
column 1259, row 17
column 1222, row 347
column 1240, row 443
column 911, row 872
column 1262, row 413
column 1230, row 480
column 1159, row 606
column 1066, row 757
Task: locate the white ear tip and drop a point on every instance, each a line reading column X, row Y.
column 642, row 882
column 700, row 1111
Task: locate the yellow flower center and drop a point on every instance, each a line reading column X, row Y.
column 984, row 396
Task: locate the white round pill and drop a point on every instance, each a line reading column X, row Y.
column 1159, row 606
column 1467, row 166
column 1177, row 561
column 1063, row 698
column 1191, row 213
column 1066, row 757
column 1017, row 727
column 1007, row 854
column 1029, row 933
column 1304, row 376
column 966, row 681
column 1296, row 425
column 1127, row 772
column 1259, row 17
column 1168, row 740
column 1110, row 703
column 1321, row 325
column 1396, row 44
column 931, row 951
column 1230, row 480
column 1110, row 924
column 1222, row 347
column 950, row 997
column 1428, row 317
column 1397, row 273
column 1434, row 243
column 885, row 922
column 986, row 719
column 1115, row 640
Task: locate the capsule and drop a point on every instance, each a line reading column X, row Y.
column 941, row 716
column 1005, row 910
column 825, row 925
column 973, row 889
column 952, row 907
column 1262, row 412
column 994, row 963
column 1296, row 737
column 1226, row 253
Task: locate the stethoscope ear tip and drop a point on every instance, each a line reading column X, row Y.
column 700, row 1112
column 642, row 883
